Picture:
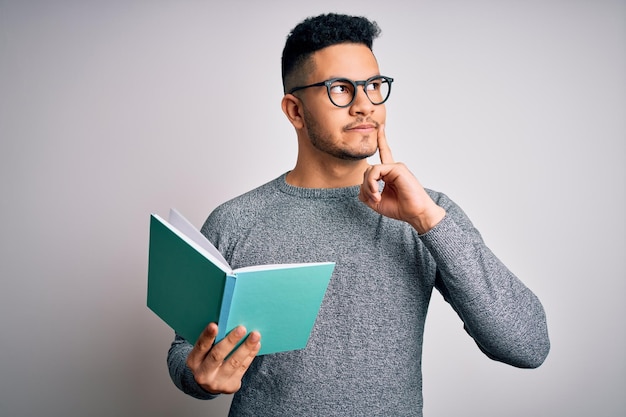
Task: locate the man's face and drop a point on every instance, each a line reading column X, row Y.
column 348, row 133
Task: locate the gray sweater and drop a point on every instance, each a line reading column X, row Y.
column 364, row 354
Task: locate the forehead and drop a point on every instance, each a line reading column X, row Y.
column 349, row 60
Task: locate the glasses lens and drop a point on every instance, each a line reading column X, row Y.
column 378, row 89
column 341, row 92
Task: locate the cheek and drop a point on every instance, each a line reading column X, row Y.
column 326, row 121
column 382, row 115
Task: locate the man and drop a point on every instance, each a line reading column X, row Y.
column 392, row 241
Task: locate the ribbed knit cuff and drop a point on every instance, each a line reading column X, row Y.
column 445, row 241
column 194, row 389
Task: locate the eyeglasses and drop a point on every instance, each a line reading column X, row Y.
column 342, row 91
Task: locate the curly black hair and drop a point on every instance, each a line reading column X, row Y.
column 315, row 33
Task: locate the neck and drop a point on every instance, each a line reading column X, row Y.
column 333, row 173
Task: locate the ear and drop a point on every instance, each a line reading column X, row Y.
column 291, row 107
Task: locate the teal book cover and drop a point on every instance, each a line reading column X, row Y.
column 191, row 285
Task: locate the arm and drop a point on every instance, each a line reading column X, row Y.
column 504, row 317
column 206, row 370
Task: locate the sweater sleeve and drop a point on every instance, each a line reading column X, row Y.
column 180, row 373
column 502, row 315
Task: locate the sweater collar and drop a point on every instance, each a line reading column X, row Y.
column 319, row 193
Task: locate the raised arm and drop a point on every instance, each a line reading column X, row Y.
column 504, row 317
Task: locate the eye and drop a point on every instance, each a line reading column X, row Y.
column 374, row 85
column 341, row 87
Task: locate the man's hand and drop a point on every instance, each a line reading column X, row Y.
column 403, row 197
column 212, row 370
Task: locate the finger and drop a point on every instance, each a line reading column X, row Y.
column 366, row 190
column 384, row 151
column 202, row 346
column 370, row 188
column 240, row 359
column 222, row 348
column 367, row 197
column 207, row 354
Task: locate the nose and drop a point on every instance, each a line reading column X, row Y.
column 361, row 104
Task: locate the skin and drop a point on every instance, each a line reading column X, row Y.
column 333, row 144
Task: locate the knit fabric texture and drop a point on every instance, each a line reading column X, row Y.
column 365, row 351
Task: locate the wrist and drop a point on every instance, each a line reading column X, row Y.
column 427, row 220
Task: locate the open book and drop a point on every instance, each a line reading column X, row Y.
column 190, row 285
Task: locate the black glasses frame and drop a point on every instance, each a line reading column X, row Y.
column 355, row 84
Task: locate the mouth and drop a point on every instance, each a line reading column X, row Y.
column 362, row 127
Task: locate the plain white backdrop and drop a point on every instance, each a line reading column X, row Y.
column 111, row 110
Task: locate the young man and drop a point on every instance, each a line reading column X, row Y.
column 392, row 241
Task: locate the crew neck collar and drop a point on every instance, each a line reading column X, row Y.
column 343, row 192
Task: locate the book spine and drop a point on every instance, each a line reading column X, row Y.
column 227, row 298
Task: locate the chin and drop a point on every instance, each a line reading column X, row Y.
column 353, row 156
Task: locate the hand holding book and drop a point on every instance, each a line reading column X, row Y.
column 214, row 367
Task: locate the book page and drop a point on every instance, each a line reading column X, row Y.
column 183, row 225
column 279, row 266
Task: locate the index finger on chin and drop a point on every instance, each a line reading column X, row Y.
column 384, row 151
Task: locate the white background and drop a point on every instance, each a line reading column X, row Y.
column 112, row 110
